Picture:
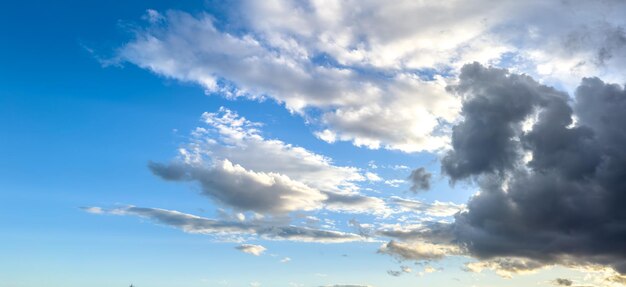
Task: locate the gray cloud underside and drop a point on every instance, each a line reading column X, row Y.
column 195, row 224
column 565, row 204
column 420, row 179
column 376, row 81
column 563, row 282
column 437, row 208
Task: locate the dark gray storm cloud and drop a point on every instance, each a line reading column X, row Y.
column 420, row 179
column 262, row 192
column 242, row 189
column 495, row 103
column 567, row 204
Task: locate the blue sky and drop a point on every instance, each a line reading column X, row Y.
column 311, row 143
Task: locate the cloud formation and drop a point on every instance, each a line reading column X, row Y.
column 564, row 204
column 240, row 169
column 253, row 249
column 420, row 179
column 551, row 170
column 245, row 190
column 219, row 228
column 369, row 78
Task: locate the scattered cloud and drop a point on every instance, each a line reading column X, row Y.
column 562, row 206
column 550, row 167
column 239, row 168
column 420, row 251
column 420, row 179
column 255, row 250
column 243, row 189
column 394, row 182
column 435, row 209
column 507, row 266
column 266, row 230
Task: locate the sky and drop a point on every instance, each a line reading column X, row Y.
column 313, row 143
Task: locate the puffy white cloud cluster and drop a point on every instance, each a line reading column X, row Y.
column 240, row 169
column 377, row 81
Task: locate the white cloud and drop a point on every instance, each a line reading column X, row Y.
column 255, row 250
column 394, row 182
column 418, row 250
column 436, row 209
column 247, row 190
column 237, row 167
column 372, row 176
column 507, row 266
column 355, row 105
column 377, row 81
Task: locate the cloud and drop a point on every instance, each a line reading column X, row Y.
column 565, row 204
column 266, row 230
column 255, row 250
column 550, row 169
column 239, row 168
column 436, row 209
column 563, row 282
column 403, row 269
column 420, row 179
column 94, row 210
column 246, row 190
column 417, row 250
column 394, row 182
column 366, row 77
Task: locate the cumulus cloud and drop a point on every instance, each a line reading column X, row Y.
column 397, row 109
column 246, row 190
column 506, row 267
column 253, row 249
column 371, row 79
column 495, row 103
column 550, row 193
column 551, row 170
column 420, row 251
column 564, row 205
column 420, row 179
column 396, row 273
column 239, row 168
